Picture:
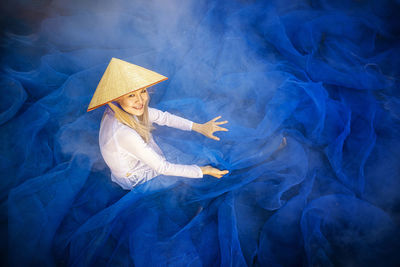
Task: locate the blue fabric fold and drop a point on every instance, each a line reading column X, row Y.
column 311, row 93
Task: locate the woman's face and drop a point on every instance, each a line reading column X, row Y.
column 135, row 102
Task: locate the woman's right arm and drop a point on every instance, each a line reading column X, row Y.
column 129, row 140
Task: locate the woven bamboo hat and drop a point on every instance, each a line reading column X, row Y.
column 121, row 78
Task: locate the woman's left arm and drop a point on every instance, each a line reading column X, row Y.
column 209, row 128
column 165, row 118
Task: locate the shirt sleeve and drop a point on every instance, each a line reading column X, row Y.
column 129, row 140
column 165, row 118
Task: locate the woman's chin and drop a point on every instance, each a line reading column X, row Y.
column 137, row 112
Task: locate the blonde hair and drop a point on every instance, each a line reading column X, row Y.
column 142, row 126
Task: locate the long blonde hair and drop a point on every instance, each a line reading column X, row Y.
column 142, row 126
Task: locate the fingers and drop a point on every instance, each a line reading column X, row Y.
column 213, row 171
column 219, row 174
column 220, row 122
column 212, row 126
column 222, row 129
column 216, row 118
column 214, row 137
column 216, row 130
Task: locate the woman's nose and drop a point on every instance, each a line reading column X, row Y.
column 139, row 99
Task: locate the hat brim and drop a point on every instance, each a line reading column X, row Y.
column 92, row 108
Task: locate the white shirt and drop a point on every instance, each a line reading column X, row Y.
column 133, row 161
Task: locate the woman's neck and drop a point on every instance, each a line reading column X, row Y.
column 138, row 118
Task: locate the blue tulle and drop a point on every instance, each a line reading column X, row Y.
column 322, row 74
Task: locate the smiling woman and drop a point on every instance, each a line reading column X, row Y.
column 134, row 102
column 125, row 139
column 325, row 74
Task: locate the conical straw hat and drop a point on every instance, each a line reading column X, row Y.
column 121, row 78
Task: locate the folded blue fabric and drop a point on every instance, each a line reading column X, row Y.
column 322, row 74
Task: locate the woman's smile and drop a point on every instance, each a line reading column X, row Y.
column 139, row 107
column 135, row 102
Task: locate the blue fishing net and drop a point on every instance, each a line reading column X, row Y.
column 322, row 74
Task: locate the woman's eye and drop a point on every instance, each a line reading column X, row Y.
column 144, row 91
column 131, row 95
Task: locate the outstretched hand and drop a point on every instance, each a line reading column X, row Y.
column 208, row 170
column 209, row 128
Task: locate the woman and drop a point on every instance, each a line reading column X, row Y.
column 125, row 139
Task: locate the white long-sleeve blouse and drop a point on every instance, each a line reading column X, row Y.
column 133, row 161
